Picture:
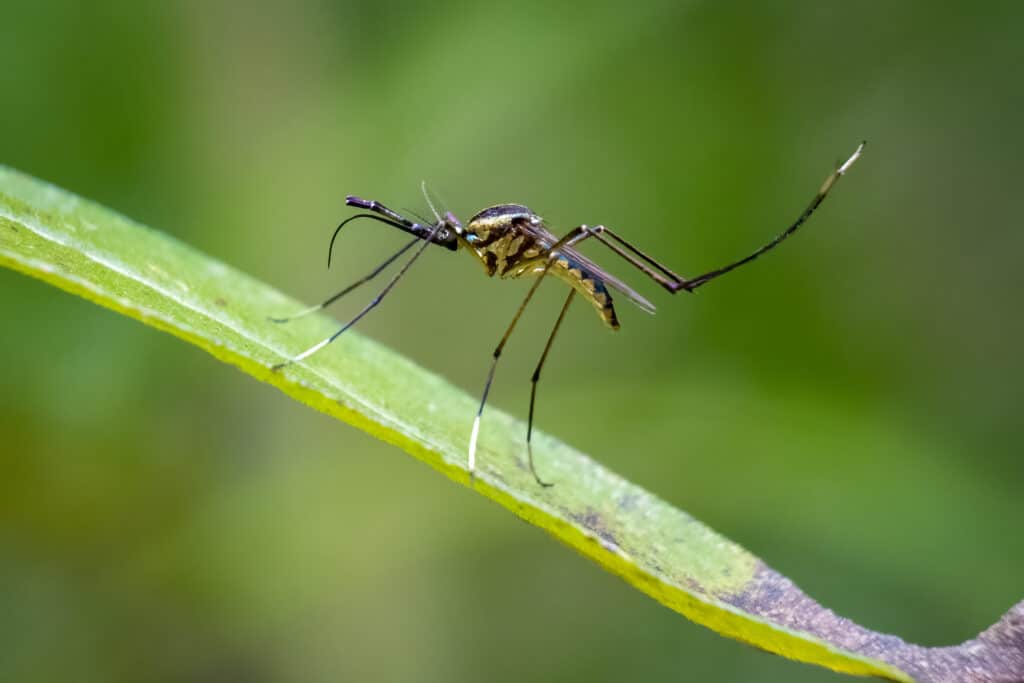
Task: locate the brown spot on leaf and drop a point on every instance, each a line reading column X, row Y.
column 995, row 656
column 594, row 521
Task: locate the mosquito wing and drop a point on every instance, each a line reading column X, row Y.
column 609, row 279
column 546, row 239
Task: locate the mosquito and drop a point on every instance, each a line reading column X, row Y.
column 511, row 241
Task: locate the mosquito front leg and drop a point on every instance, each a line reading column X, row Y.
column 370, row 306
column 363, row 280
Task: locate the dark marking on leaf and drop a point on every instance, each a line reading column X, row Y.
column 694, row 586
column 627, row 502
column 594, row 521
column 995, row 656
column 220, row 301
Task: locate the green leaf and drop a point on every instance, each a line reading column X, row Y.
column 95, row 253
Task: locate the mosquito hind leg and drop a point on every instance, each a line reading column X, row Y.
column 674, row 282
column 533, row 387
column 691, row 284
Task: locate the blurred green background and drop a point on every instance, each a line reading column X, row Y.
column 846, row 408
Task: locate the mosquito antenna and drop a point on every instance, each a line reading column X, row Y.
column 430, row 202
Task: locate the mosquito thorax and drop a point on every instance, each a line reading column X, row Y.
column 497, row 220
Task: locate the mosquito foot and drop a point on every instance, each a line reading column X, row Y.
column 849, row 162
column 533, row 471
column 472, row 448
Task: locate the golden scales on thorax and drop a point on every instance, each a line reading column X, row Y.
column 511, row 242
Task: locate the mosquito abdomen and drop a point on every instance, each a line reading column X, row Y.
column 589, row 285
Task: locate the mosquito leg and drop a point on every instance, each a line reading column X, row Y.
column 533, row 386
column 494, row 364
column 672, row 277
column 692, row 284
column 369, row 307
column 666, row 278
column 372, row 274
column 674, row 282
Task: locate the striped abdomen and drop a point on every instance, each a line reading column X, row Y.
column 587, row 283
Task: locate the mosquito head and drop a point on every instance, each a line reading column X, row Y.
column 497, row 220
column 447, row 234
